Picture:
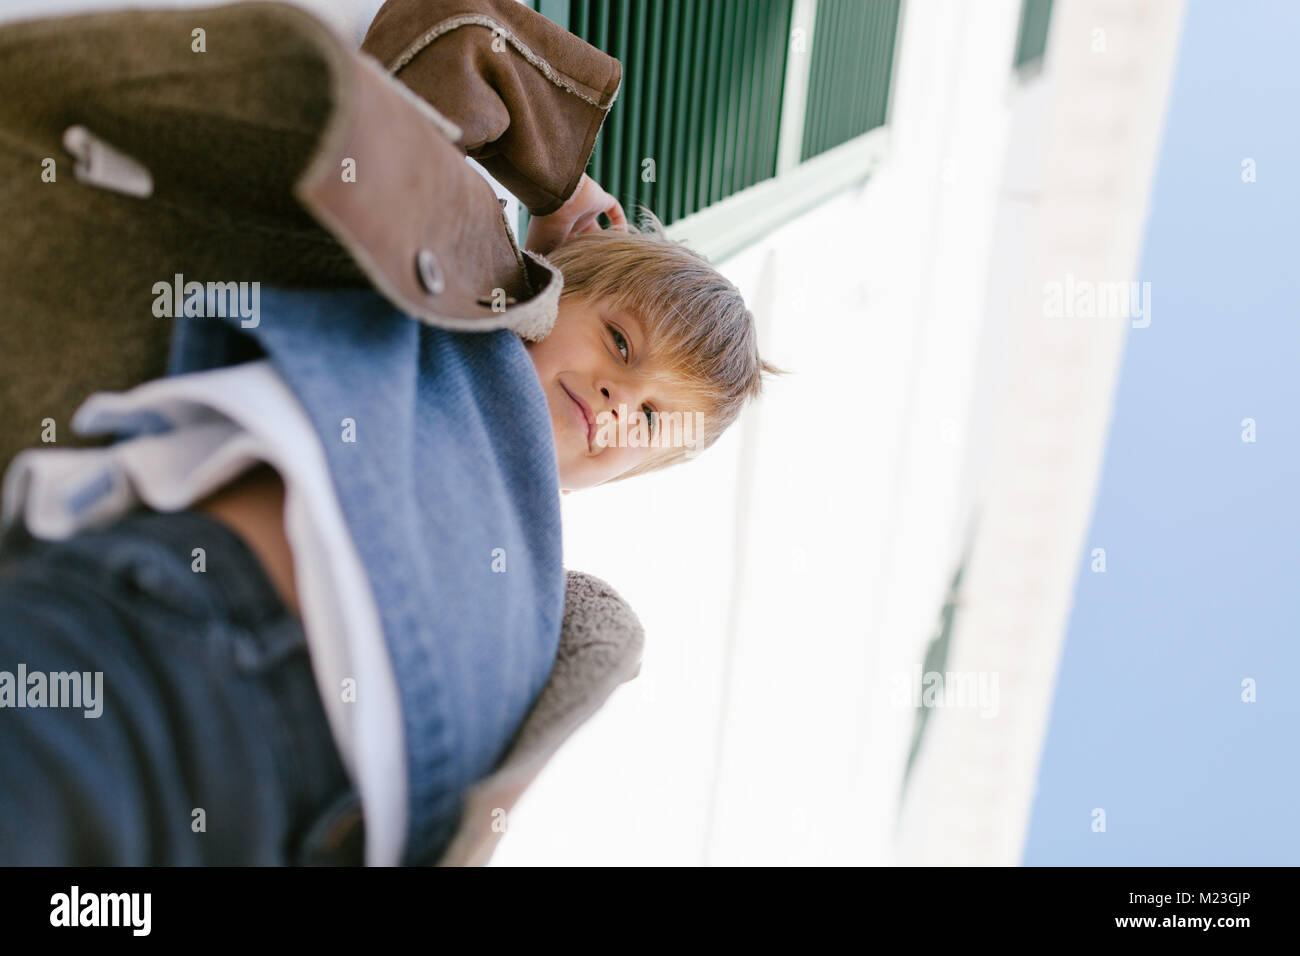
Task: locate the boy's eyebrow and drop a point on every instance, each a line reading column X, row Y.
column 632, row 319
column 624, row 313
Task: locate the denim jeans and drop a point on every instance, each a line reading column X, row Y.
column 211, row 745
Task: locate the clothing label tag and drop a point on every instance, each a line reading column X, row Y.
column 99, row 164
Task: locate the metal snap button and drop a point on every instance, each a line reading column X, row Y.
column 430, row 272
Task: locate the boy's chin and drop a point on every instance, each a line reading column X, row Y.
column 568, row 484
column 578, row 479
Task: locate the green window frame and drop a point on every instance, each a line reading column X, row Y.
column 752, row 111
column 1031, row 42
column 850, row 78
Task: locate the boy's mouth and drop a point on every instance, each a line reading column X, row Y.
column 587, row 420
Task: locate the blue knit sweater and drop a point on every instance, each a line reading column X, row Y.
column 453, row 459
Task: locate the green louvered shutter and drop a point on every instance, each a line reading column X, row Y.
column 852, row 61
column 701, row 96
column 1035, row 16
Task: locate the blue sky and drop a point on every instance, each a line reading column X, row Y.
column 1201, row 529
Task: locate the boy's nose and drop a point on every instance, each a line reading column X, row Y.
column 614, row 396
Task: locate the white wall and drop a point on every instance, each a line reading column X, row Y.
column 793, row 574
column 786, row 575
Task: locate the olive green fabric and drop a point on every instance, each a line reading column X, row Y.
column 225, row 133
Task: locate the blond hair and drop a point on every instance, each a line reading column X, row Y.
column 699, row 329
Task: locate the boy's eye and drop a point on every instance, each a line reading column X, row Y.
column 620, row 342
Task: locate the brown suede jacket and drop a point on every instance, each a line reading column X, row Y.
column 248, row 142
column 529, row 97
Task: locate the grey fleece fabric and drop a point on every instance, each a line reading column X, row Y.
column 601, row 642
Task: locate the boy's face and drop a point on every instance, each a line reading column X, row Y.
column 593, row 361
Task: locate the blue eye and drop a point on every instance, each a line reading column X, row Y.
column 650, row 416
column 620, row 342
